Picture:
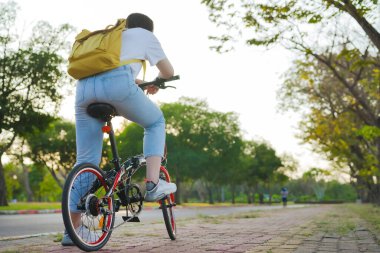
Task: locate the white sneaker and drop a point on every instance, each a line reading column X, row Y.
column 162, row 189
column 87, row 235
column 66, row 240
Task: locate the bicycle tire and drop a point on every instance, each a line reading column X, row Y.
column 87, row 180
column 169, row 218
column 167, row 204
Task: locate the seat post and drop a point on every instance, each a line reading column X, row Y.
column 111, row 134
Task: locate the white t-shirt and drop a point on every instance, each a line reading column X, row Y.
column 138, row 43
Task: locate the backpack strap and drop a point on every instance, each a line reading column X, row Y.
column 135, row 61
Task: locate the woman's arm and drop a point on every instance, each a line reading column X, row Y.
column 165, row 68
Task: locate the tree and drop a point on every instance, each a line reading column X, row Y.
column 130, row 140
column 54, row 148
column 265, row 164
column 318, row 176
column 288, row 22
column 202, row 143
column 12, row 171
column 341, row 120
column 342, row 70
column 31, row 76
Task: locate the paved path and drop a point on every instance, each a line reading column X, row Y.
column 308, row 229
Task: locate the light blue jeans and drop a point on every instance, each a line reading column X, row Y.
column 117, row 88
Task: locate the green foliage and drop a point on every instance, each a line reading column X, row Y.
column 49, row 189
column 265, row 162
column 338, row 191
column 12, row 172
column 335, row 83
column 200, row 138
column 312, row 188
column 339, row 94
column 369, row 133
column 130, row 140
column 286, row 22
column 30, row 87
column 36, row 176
column 368, row 212
column 54, row 148
column 31, row 76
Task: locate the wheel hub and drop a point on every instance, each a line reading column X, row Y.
column 92, row 205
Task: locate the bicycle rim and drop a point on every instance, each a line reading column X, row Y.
column 88, row 215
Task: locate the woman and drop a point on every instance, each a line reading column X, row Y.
column 119, row 87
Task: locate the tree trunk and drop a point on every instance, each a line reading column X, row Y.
column 374, row 193
column 222, row 195
column 210, row 197
column 3, row 187
column 178, row 192
column 371, row 31
column 233, row 194
column 249, row 197
column 28, row 189
column 261, row 198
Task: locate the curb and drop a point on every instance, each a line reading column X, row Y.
column 10, row 238
column 45, row 211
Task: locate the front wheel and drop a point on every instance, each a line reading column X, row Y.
column 168, row 213
column 88, row 214
column 167, row 205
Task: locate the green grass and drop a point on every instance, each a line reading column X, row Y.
column 58, row 237
column 367, row 212
column 346, row 218
column 210, row 218
column 31, row 206
column 340, row 221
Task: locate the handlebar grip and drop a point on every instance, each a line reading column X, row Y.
column 160, row 82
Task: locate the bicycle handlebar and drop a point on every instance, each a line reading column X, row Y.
column 160, row 83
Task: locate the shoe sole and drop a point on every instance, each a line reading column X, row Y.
column 159, row 197
column 68, row 244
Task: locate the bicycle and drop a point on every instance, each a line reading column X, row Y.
column 91, row 196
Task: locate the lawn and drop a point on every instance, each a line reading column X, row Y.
column 368, row 212
column 31, row 206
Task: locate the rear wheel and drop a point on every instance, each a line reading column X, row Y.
column 87, row 213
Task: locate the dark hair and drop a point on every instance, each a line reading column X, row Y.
column 139, row 20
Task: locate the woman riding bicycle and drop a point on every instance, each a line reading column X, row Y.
column 119, row 87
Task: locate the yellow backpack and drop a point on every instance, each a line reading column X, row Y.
column 98, row 51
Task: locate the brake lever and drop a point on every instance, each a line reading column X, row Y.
column 168, row 86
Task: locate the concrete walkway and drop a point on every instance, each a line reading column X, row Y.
column 320, row 228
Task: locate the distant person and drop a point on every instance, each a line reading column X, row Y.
column 284, row 196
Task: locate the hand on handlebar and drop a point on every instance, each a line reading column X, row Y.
column 153, row 86
column 152, row 89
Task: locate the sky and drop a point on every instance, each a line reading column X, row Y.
column 244, row 81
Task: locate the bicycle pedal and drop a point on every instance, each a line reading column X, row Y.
column 131, row 219
column 168, row 206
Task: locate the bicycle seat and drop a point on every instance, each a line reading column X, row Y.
column 102, row 111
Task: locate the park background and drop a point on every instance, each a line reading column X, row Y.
column 229, row 137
